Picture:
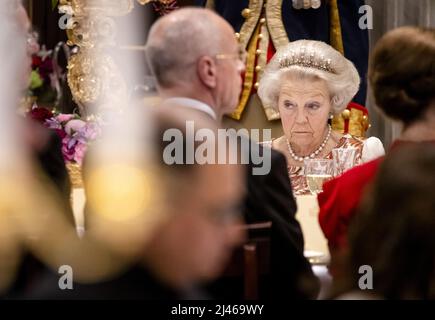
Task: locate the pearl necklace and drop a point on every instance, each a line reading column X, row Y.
column 312, row 155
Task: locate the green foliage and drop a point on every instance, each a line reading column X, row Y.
column 54, row 4
column 35, row 80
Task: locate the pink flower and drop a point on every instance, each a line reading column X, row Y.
column 76, row 134
column 80, row 150
column 67, row 150
column 63, row 117
column 75, row 125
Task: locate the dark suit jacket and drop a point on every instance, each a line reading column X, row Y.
column 136, row 283
column 270, row 198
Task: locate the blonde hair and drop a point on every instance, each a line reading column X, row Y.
column 313, row 60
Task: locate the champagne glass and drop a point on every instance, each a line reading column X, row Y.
column 317, row 171
column 344, row 159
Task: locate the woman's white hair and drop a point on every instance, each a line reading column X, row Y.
column 310, row 59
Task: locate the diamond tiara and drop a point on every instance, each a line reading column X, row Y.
column 310, row 60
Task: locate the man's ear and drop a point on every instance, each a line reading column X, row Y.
column 207, row 71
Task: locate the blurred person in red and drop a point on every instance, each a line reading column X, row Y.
column 393, row 234
column 402, row 77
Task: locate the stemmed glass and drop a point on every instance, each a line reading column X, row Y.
column 317, row 171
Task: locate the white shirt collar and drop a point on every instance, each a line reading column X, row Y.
column 194, row 104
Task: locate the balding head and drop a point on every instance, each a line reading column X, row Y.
column 193, row 53
column 177, row 40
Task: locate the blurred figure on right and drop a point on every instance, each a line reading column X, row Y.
column 394, row 232
column 402, row 76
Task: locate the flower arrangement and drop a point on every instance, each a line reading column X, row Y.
column 42, row 78
column 75, row 133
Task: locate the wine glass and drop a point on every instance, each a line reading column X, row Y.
column 317, row 171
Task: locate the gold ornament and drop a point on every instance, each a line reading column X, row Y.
column 346, row 114
column 95, row 80
column 245, row 13
column 75, row 175
column 93, row 75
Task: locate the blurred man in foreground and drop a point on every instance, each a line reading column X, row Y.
column 198, row 225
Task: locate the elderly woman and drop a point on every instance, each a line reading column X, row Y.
column 309, row 82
